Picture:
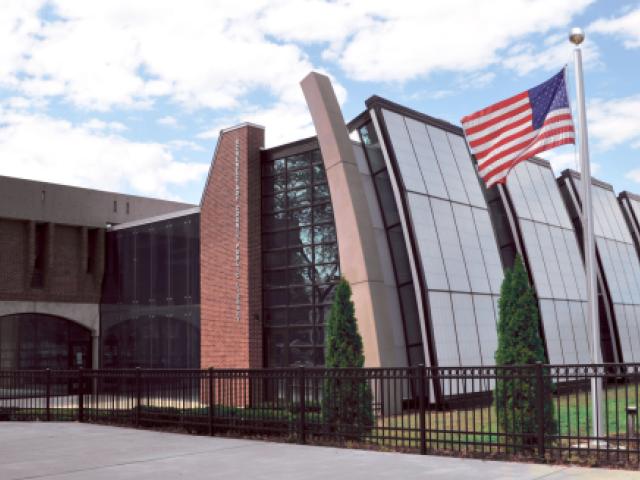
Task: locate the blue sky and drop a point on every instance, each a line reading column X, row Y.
column 130, row 96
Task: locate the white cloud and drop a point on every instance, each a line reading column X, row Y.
column 167, row 121
column 634, row 175
column 37, row 147
column 185, row 145
column 213, row 54
column 18, row 23
column 283, row 122
column 100, row 55
column 614, row 122
column 100, row 125
column 562, row 159
column 24, row 103
column 626, row 27
column 412, row 39
column 525, row 58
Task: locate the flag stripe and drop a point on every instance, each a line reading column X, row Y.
column 549, row 143
column 521, row 129
column 496, row 106
column 495, row 113
column 502, row 177
column 498, row 120
column 523, row 142
column 521, row 149
column 503, row 126
column 480, row 140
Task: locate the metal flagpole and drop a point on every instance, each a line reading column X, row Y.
column 577, row 37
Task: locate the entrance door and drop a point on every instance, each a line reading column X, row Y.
column 79, row 357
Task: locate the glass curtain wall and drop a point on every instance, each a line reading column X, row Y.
column 300, row 258
column 553, row 256
column 619, row 262
column 454, row 239
column 396, row 242
column 631, row 208
column 150, row 310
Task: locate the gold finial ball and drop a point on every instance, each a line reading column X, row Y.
column 576, row 36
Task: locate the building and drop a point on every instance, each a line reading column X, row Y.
column 52, row 258
column 390, row 200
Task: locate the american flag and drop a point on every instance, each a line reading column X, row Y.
column 518, row 128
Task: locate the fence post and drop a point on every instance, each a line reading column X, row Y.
column 48, row 394
column 80, row 396
column 421, row 408
column 138, row 394
column 210, row 401
column 301, row 392
column 540, row 407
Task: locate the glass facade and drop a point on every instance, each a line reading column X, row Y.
column 631, row 207
column 454, row 239
column 619, row 263
column 150, row 310
column 34, row 341
column 553, row 256
column 397, row 246
column 300, row 258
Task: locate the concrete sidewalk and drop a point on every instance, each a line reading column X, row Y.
column 81, row 451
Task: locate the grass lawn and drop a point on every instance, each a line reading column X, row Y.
column 446, row 428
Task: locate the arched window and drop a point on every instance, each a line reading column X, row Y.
column 36, row 341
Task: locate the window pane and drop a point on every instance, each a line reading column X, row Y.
column 387, row 200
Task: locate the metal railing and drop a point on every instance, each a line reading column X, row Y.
column 538, row 411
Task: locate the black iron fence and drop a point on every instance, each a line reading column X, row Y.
column 455, row 411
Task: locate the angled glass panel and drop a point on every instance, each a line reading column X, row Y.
column 467, row 169
column 450, row 245
column 471, row 248
column 448, row 165
column 564, row 263
column 623, row 333
column 466, row 329
column 609, row 269
column 540, row 186
column 487, row 332
column 635, row 206
column 627, row 255
column 403, row 148
column 554, row 198
column 536, row 260
column 551, row 261
column 633, row 316
column 554, row 348
column 577, row 267
column 520, row 201
column 444, row 329
column 428, row 243
column 565, row 327
column 426, row 158
column 580, row 332
column 530, row 193
column 490, row 253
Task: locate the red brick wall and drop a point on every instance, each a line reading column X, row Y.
column 226, row 341
column 65, row 275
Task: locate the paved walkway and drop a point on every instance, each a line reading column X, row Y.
column 73, row 451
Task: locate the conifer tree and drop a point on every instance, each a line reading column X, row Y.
column 519, row 343
column 346, row 402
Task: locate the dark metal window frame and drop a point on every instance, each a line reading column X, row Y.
column 317, row 305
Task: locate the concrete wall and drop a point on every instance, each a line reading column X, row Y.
column 47, row 202
column 359, row 256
